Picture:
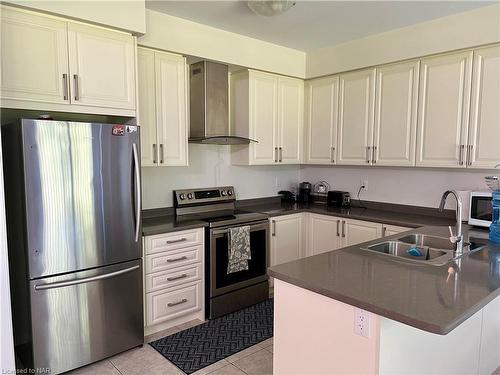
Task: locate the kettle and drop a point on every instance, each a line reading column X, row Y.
column 321, row 187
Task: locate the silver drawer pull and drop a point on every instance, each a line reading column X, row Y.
column 176, row 259
column 65, row 86
column 77, row 87
column 177, row 277
column 177, row 241
column 184, row 300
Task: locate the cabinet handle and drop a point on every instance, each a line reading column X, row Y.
column 384, row 230
column 333, row 154
column 184, row 300
column 274, row 228
column 374, row 155
column 343, row 228
column 176, row 259
column 276, row 154
column 281, row 154
column 368, row 154
column 338, row 228
column 177, row 241
column 154, row 153
column 461, row 154
column 65, row 86
column 470, row 149
column 161, row 153
column 77, row 87
column 177, row 277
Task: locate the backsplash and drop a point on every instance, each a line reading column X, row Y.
column 411, row 186
column 210, row 165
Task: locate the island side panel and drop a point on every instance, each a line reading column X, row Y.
column 411, row 351
column 314, row 334
column 489, row 356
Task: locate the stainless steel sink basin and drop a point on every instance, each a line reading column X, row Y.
column 430, row 241
column 411, row 252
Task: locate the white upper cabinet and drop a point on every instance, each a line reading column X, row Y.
column 355, row 126
column 484, row 134
column 34, row 57
column 102, row 67
column 162, row 108
column 147, row 106
column 49, row 63
column 290, row 119
column 269, row 109
column 395, row 124
column 444, row 110
column 321, row 104
column 171, row 108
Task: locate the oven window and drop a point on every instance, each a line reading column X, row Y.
column 481, row 208
column 256, row 265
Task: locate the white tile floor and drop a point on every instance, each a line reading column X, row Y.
column 255, row 360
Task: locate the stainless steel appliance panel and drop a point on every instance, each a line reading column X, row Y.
column 85, row 316
column 82, row 195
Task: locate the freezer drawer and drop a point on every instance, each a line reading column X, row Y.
column 85, row 316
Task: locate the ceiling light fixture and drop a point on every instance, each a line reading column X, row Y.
column 270, row 7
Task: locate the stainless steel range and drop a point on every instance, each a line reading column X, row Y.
column 227, row 292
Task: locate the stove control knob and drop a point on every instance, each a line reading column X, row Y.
column 229, row 192
column 223, row 193
column 190, row 195
column 182, row 196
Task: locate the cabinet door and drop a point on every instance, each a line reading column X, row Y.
column 34, row 57
column 286, row 239
column 395, row 123
column 484, row 134
column 171, row 111
column 323, row 234
column 147, row 106
column 355, row 131
column 357, row 231
column 263, row 118
column 443, row 110
column 102, row 67
column 290, row 120
column 321, row 120
column 389, row 230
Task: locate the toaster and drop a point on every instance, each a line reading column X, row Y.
column 339, row 198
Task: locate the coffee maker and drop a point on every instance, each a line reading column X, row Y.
column 305, row 192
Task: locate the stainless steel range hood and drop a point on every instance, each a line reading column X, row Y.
column 209, row 120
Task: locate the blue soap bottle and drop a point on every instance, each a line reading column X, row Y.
column 495, row 222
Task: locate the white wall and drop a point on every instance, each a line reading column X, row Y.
column 413, row 186
column 463, row 30
column 128, row 15
column 6, row 344
column 190, row 38
column 210, row 165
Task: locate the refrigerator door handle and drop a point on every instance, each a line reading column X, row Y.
column 138, row 193
column 85, row 279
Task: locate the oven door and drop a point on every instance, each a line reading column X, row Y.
column 220, row 281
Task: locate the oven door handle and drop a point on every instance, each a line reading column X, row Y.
column 253, row 227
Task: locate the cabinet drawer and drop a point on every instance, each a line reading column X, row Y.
column 176, row 240
column 177, row 276
column 173, row 259
column 171, row 303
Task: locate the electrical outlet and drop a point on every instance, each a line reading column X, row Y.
column 364, row 184
column 362, row 322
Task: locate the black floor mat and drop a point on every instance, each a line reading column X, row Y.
column 200, row 346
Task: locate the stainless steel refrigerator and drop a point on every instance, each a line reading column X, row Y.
column 74, row 233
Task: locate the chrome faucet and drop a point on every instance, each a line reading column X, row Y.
column 458, row 237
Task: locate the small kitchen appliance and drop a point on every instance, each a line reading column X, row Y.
column 304, row 192
column 493, row 183
column 480, row 212
column 339, row 198
column 227, row 292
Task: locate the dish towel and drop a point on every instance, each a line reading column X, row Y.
column 239, row 249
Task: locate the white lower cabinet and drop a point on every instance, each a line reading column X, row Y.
column 286, row 238
column 324, row 234
column 389, row 230
column 357, row 231
column 174, row 279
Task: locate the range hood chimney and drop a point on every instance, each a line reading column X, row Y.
column 209, row 116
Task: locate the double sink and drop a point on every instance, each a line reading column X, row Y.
column 423, row 248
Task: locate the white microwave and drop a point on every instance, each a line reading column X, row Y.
column 480, row 212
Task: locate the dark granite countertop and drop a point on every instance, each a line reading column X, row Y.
column 163, row 220
column 423, row 296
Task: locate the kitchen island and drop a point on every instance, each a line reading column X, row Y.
column 417, row 318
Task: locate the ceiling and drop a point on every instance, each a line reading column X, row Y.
column 313, row 24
